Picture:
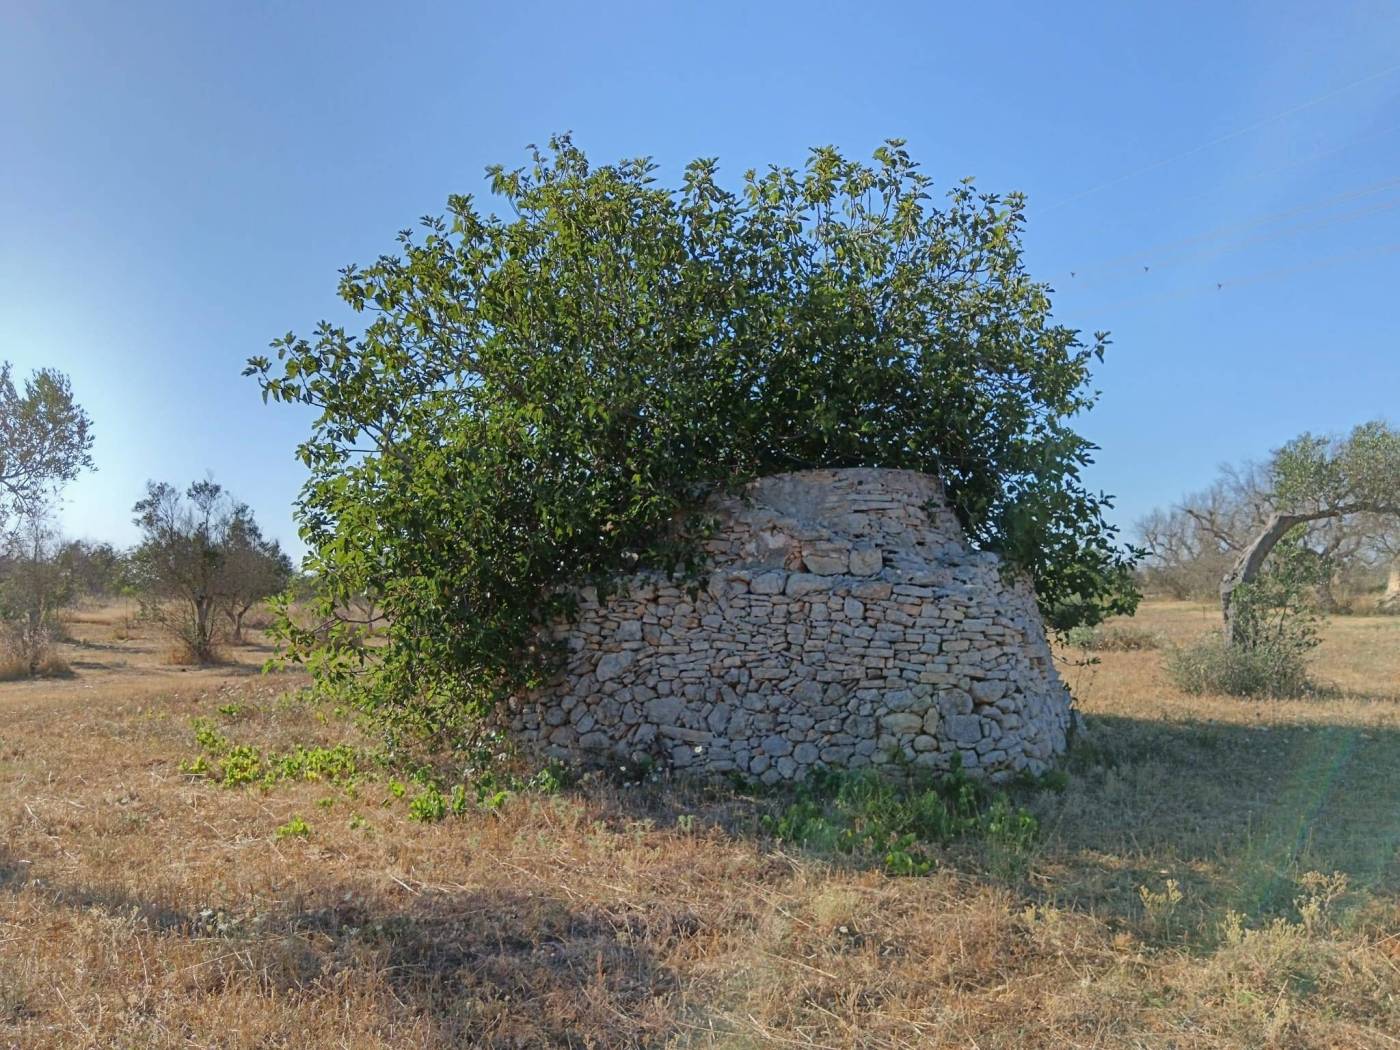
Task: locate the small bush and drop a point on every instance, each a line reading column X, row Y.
column 1271, row 668
column 428, row 807
column 16, row 666
column 1120, row 638
column 233, row 764
column 295, row 828
column 183, row 653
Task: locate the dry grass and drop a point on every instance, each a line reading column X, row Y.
column 143, row 908
column 14, row 665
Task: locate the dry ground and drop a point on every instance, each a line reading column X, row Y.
column 142, row 907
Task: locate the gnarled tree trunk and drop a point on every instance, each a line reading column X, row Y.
column 1251, row 560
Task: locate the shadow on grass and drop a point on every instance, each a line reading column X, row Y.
column 1235, row 813
column 481, row 967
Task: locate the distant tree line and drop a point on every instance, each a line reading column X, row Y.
column 202, row 565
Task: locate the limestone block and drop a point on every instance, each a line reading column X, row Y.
column 768, row 583
column 902, row 722
column 865, row 561
column 613, row 664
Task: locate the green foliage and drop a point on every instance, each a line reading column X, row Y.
column 541, row 401
column 243, row 764
column 337, row 765
column 234, row 765
column 428, row 807
column 209, row 738
column 195, row 767
column 47, row 439
column 1278, row 609
column 1357, row 474
column 865, row 816
column 294, row 828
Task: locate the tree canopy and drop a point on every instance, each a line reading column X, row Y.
column 542, row 399
column 1317, row 479
column 45, row 439
column 202, row 554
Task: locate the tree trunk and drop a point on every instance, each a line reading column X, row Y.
column 236, row 619
column 1390, row 601
column 1251, row 560
column 203, row 629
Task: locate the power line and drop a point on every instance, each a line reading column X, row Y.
column 1157, row 261
column 1299, row 162
column 1274, row 118
column 1226, row 229
column 1260, row 276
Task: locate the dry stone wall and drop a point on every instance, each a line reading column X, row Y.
column 845, row 623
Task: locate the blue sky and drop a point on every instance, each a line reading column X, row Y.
column 180, row 182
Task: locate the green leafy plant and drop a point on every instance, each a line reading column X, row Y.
column 242, row 764
column 233, row 765
column 543, row 401
column 866, row 816
column 1274, row 621
column 428, row 807
column 294, row 828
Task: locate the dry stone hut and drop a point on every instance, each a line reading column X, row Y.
column 845, row 623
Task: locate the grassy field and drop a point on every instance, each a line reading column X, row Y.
column 1215, row 873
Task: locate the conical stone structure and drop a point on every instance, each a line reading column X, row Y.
column 845, row 623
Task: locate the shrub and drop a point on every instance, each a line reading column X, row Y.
column 1121, row 638
column 17, row 664
column 35, row 586
column 429, row 806
column 541, row 401
column 1270, row 668
column 296, row 828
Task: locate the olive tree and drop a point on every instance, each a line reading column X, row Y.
column 255, row 569
column 45, row 439
column 1352, row 480
column 35, row 584
column 1188, row 548
column 543, row 399
column 202, row 558
column 45, row 442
